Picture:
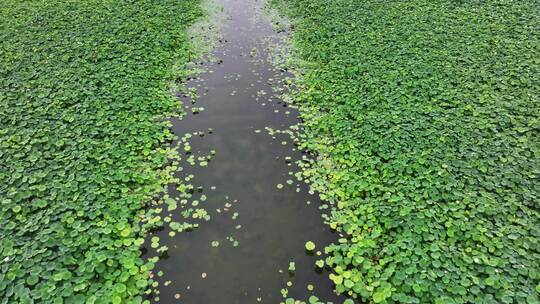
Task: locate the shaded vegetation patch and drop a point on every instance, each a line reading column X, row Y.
column 82, row 152
column 424, row 116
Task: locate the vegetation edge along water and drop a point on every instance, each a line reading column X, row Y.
column 84, row 88
column 424, row 118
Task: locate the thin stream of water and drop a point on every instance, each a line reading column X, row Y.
column 240, row 183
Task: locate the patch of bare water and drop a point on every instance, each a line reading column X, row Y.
column 261, row 216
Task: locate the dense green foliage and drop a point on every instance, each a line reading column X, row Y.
column 425, row 117
column 81, row 85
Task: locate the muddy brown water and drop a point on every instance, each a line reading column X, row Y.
column 245, row 171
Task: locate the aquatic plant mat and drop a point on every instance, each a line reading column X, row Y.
column 83, row 145
column 425, row 118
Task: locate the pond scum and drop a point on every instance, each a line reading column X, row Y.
column 423, row 115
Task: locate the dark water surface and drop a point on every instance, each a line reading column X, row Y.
column 275, row 223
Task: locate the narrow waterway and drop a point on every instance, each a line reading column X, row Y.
column 261, row 216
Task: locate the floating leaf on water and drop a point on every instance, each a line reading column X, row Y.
column 292, row 267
